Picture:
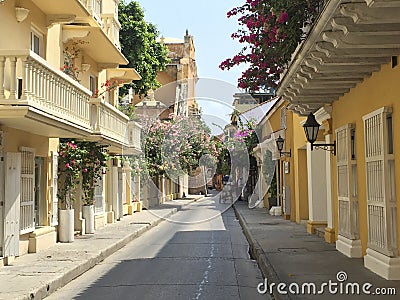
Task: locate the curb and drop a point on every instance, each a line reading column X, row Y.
column 50, row 287
column 258, row 254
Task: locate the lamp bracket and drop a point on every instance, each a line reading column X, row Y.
column 286, row 153
column 326, row 147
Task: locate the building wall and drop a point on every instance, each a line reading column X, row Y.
column 300, row 184
column 381, row 89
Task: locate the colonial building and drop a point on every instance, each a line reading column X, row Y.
column 180, row 77
column 344, row 76
column 52, row 85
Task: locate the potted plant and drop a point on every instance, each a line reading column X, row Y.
column 68, row 180
column 93, row 166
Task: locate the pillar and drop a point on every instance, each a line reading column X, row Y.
column 317, row 202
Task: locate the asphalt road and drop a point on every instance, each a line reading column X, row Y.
column 199, row 253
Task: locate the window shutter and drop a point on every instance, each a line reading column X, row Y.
column 381, row 203
column 346, row 179
column 27, row 204
column 99, row 197
column 54, row 188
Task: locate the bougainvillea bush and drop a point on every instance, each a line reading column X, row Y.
column 177, row 145
column 237, row 150
column 79, row 163
column 270, row 31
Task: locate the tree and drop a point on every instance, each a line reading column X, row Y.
column 270, row 31
column 139, row 45
column 176, row 146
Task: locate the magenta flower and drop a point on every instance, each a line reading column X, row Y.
column 283, row 18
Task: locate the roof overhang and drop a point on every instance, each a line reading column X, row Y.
column 350, row 40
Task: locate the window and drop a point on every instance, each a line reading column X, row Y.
column 37, row 42
column 27, row 195
column 347, row 182
column 99, row 197
column 380, row 182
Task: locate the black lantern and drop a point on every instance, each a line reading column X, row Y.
column 279, row 144
column 311, row 128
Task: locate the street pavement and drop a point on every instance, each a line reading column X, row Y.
column 287, row 254
column 36, row 275
column 198, row 253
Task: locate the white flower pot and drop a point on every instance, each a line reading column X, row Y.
column 66, row 226
column 88, row 215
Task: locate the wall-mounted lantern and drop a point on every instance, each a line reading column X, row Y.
column 279, row 144
column 311, row 128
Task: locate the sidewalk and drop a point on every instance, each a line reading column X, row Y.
column 286, row 253
column 36, row 275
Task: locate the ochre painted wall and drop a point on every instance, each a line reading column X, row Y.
column 381, row 89
column 300, row 190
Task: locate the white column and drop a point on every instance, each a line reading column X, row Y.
column 317, row 195
column 114, row 191
column 2, row 67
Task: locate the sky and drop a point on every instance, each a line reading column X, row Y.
column 206, row 20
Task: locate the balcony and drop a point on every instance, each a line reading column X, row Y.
column 113, row 128
column 96, row 39
column 95, row 8
column 111, row 27
column 38, row 98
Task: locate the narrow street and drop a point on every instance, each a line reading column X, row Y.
column 200, row 253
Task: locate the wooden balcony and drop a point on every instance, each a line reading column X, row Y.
column 38, row 98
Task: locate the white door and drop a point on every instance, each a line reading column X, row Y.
column 12, row 203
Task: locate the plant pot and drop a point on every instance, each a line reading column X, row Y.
column 272, row 201
column 88, row 215
column 66, row 226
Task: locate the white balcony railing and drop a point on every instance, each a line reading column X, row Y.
column 27, row 79
column 111, row 27
column 134, row 137
column 109, row 121
column 115, row 126
column 95, row 8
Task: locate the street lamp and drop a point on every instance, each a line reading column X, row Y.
column 311, row 128
column 279, row 144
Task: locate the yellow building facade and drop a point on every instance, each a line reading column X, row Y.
column 344, row 75
column 51, row 69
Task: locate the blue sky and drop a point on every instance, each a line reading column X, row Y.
column 206, row 20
